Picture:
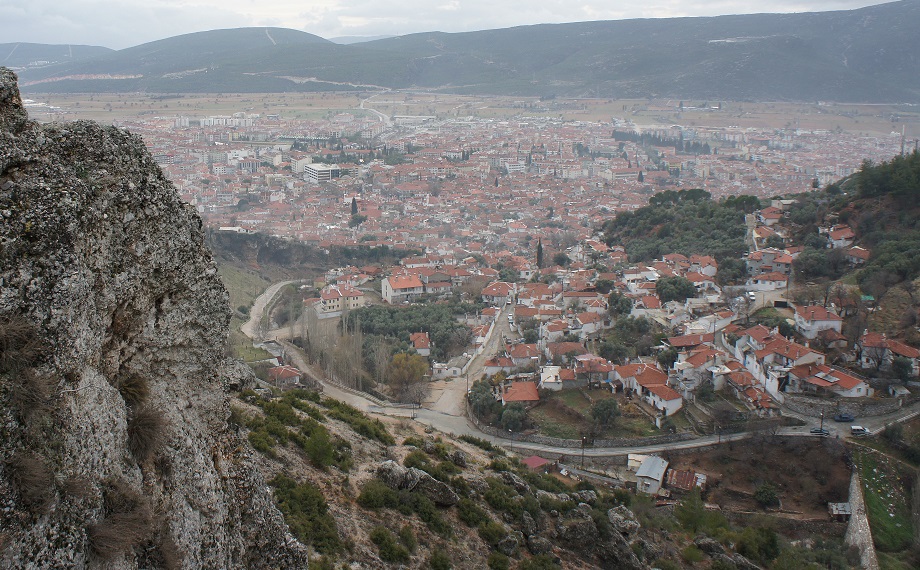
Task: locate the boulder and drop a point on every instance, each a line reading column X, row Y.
column 398, row 477
column 458, row 458
column 539, row 545
column 584, row 497
column 528, row 525
column 709, row 546
column 519, row 484
column 509, row 545
column 623, row 520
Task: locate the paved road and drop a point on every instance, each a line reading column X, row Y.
column 454, row 421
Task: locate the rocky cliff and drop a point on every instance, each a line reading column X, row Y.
column 115, row 449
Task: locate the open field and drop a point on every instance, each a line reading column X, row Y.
column 851, row 118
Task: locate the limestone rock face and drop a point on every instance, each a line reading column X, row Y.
column 99, row 255
column 412, row 479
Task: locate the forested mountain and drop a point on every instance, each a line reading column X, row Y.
column 857, row 55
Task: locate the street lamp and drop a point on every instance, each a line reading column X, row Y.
column 822, row 421
column 512, row 439
column 584, row 440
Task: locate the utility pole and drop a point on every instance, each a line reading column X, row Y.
column 584, row 440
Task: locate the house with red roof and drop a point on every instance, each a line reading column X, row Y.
column 561, row 351
column 521, row 392
column 498, row 293
column 284, row 377
column 524, row 355
column 421, row 342
column 334, row 299
column 823, row 379
column 877, row 351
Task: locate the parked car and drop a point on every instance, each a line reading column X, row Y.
column 844, row 417
column 820, row 431
column 859, row 430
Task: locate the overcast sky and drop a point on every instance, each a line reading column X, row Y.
column 125, row 23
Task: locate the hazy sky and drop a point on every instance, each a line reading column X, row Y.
column 125, row 23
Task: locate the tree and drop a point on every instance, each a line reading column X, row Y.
column 605, row 412
column 513, row 416
column 766, row 495
column 354, row 206
column 561, row 259
column 902, row 368
column 618, row 304
column 540, row 254
column 666, row 358
column 675, row 289
column 406, row 377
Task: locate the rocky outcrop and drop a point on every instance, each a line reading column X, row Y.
column 412, row 479
column 123, row 405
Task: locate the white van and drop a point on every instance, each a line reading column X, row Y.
column 858, row 430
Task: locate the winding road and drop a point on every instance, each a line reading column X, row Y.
column 445, row 410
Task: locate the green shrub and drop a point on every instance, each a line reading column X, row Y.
column 417, row 459
column 481, row 443
column 281, row 411
column 306, row 513
column 691, row 554
column 550, row 504
column 428, row 512
column 389, row 549
column 545, row 482
column 319, row 449
column 439, row 561
column 376, row 494
column 471, row 513
column 498, row 561
column 758, row 544
column 501, row 498
column 414, row 441
column 262, row 442
column 308, row 395
column 492, row 532
column 360, row 423
column 539, row 562
column 407, row 538
column 766, row 496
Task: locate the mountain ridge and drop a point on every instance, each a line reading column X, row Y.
column 861, row 55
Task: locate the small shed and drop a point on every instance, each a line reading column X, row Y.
column 536, row 463
column 651, row 474
column 840, row 512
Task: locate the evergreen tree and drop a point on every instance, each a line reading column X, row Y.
column 354, row 206
column 540, row 254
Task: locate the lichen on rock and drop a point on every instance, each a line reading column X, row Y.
column 107, row 265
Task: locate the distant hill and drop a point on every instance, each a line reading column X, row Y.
column 857, row 55
column 19, row 55
column 348, row 40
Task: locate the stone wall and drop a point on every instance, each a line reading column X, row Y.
column 859, row 407
column 858, row 532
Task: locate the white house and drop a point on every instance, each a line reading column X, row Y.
column 813, row 319
column 550, row 378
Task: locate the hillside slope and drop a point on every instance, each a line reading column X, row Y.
column 114, row 439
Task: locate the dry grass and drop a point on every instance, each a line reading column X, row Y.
column 32, row 479
column 77, row 487
column 133, row 389
column 30, row 393
column 20, row 345
column 146, row 431
column 129, row 521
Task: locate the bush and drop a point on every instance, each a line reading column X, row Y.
column 262, row 442
column 319, row 449
column 492, row 532
column 389, row 549
column 691, row 554
column 439, row 561
column 539, row 562
column 146, row 430
column 376, row 494
column 306, row 513
column 360, row 423
column 759, row 544
column 481, row 443
column 417, row 459
column 32, row 479
column 498, row 561
column 407, row 538
column 470, row 513
column 766, row 496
